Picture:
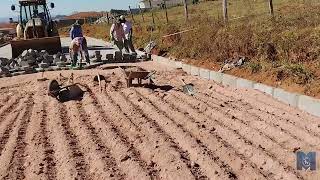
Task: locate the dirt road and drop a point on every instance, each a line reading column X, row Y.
column 149, row 133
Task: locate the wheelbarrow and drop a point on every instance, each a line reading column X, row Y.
column 139, row 75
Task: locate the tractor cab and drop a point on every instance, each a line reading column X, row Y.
column 36, row 29
column 34, row 19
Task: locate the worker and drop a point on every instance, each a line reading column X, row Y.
column 76, row 30
column 127, row 28
column 117, row 34
column 79, row 45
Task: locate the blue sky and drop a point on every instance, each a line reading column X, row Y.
column 69, row 6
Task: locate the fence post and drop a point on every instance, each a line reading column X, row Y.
column 141, row 13
column 186, row 10
column 131, row 14
column 165, row 7
column 108, row 20
column 225, row 10
column 151, row 11
column 271, row 7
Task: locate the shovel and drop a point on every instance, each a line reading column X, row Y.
column 188, row 88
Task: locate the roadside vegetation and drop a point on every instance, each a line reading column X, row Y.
column 282, row 51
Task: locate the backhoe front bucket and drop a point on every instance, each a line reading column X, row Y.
column 51, row 44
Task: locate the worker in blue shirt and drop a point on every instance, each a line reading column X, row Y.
column 76, row 30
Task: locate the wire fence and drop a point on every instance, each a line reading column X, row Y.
column 236, row 10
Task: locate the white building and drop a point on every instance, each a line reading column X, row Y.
column 144, row 4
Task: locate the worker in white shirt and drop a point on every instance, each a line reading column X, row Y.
column 127, row 28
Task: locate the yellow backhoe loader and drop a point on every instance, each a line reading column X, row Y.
column 36, row 29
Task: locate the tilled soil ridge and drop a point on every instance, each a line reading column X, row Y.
column 152, row 132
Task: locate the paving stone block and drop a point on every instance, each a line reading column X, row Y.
column 216, row 76
column 286, row 97
column 195, row 71
column 244, row 83
column 204, row 73
column 229, row 80
column 309, row 104
column 264, row 88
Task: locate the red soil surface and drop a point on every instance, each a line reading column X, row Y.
column 149, row 133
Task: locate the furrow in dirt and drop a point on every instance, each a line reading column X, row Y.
column 8, row 124
column 9, row 149
column 77, row 155
column 49, row 158
column 120, row 141
column 245, row 137
column 154, row 142
column 274, row 133
column 4, row 100
column 304, row 122
column 198, row 154
column 278, row 125
column 8, row 130
column 261, row 140
column 209, row 138
column 236, row 140
column 65, row 163
column 17, row 166
column 97, row 153
column 8, row 108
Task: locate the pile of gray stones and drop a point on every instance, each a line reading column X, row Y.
column 31, row 59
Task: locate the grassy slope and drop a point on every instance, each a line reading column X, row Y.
column 283, row 51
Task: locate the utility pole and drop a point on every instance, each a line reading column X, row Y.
column 186, row 14
column 225, row 10
column 151, row 11
column 271, row 7
column 131, row 14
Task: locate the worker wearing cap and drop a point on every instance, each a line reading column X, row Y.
column 117, row 34
column 127, row 28
column 76, row 30
column 78, row 45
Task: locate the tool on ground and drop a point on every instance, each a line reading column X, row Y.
column 98, row 78
column 36, row 29
column 188, row 88
column 42, row 78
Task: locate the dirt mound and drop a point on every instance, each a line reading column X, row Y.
column 141, row 133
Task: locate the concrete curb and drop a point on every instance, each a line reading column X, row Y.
column 204, row 73
column 302, row 102
column 264, row 88
column 244, row 83
column 216, row 76
column 309, row 104
column 286, row 97
column 229, row 80
column 195, row 71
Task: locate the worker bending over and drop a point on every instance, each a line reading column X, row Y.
column 79, row 46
